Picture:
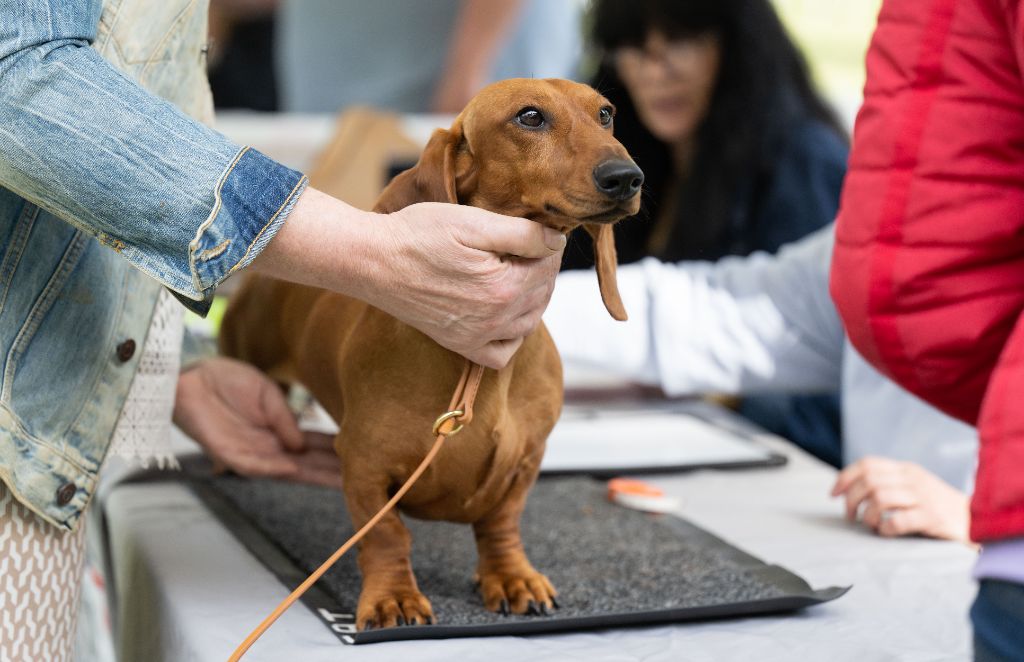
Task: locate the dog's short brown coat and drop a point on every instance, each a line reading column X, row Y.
column 385, row 382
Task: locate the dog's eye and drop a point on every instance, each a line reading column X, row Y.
column 530, row 117
column 605, row 116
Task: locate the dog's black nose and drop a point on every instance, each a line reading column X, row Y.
column 618, row 178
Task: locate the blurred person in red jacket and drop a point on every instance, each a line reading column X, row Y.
column 928, row 269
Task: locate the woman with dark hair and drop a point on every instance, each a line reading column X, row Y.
column 715, row 104
column 739, row 153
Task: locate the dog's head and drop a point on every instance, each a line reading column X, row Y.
column 540, row 149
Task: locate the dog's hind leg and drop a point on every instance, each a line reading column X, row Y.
column 390, row 596
column 507, row 580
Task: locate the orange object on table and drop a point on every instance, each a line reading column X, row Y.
column 631, row 486
column 639, row 495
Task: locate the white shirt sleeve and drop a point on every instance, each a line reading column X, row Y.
column 739, row 325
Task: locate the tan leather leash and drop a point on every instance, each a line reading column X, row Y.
column 459, row 414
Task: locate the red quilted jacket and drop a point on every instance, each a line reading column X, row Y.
column 928, row 271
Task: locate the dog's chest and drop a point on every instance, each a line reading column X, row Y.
column 470, row 476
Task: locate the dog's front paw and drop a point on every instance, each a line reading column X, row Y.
column 527, row 592
column 388, row 609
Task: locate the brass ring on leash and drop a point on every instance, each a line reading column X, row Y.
column 455, row 413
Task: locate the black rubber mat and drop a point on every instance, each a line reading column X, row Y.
column 611, row 566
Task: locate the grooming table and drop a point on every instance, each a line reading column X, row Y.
column 189, row 590
column 612, row 566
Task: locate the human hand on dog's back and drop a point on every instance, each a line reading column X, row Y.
column 241, row 419
column 443, row 269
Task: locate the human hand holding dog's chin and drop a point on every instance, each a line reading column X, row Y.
column 474, row 281
column 242, row 421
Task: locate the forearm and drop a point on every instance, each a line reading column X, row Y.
column 88, row 144
column 444, row 269
column 330, row 244
column 740, row 325
column 481, row 29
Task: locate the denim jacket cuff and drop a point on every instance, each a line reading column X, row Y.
column 253, row 198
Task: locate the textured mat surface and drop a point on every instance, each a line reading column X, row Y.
column 611, row 566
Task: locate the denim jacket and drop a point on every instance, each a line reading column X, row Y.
column 109, row 189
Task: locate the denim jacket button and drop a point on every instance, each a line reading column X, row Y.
column 126, row 350
column 66, row 493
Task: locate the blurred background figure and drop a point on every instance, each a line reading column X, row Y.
column 739, row 151
column 715, row 103
column 400, row 55
column 240, row 55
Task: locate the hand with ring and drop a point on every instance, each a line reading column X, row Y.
column 896, row 498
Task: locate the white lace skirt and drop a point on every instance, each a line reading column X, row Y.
column 143, row 431
column 40, row 580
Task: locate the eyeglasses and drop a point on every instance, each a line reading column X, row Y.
column 675, row 55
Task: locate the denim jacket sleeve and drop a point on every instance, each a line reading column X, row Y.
column 85, row 142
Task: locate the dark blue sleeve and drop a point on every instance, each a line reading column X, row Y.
column 803, row 194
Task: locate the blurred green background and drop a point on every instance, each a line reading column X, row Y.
column 834, row 36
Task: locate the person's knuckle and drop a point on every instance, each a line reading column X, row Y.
column 498, row 359
column 872, row 463
column 507, row 293
column 529, row 324
column 900, row 523
column 497, row 290
column 492, row 326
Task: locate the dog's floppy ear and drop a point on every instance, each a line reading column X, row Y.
column 432, row 179
column 605, row 260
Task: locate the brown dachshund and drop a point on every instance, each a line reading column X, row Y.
column 540, row 149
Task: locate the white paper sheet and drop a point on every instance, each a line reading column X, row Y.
column 587, row 438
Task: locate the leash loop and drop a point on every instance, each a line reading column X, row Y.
column 444, row 418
